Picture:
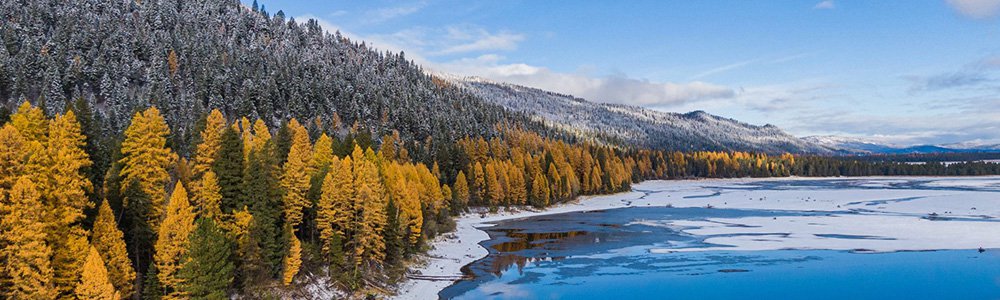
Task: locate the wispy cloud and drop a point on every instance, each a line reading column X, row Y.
column 976, row 9
column 825, row 4
column 479, row 40
column 724, row 69
column 389, row 13
column 946, row 81
column 973, row 74
column 619, row 88
column 746, row 63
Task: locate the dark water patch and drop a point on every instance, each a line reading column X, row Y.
column 715, row 194
column 854, row 237
column 733, row 270
column 884, row 202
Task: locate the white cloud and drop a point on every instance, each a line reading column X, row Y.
column 825, row 4
column 480, row 40
column 609, row 89
column 977, row 9
column 389, row 13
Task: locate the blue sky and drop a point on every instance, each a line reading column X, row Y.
column 905, row 72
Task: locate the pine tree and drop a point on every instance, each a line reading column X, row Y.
column 391, row 235
column 296, row 174
column 94, row 282
column 109, row 242
column 262, row 195
column 209, row 271
column 151, row 288
column 145, row 161
column 25, row 272
column 172, row 242
column 228, row 168
column 294, row 259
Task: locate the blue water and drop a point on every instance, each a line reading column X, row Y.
column 758, row 274
column 606, row 255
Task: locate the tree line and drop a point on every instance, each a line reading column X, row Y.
column 255, row 208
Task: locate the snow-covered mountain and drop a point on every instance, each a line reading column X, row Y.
column 613, row 123
column 858, row 145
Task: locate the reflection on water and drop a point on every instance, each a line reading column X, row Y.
column 522, row 241
column 607, row 252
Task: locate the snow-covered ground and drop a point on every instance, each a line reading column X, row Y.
column 880, row 219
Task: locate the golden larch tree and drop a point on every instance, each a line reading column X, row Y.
column 26, row 273
column 296, row 174
column 371, row 201
column 12, row 156
column 94, row 283
column 261, row 135
column 31, row 122
column 293, row 261
column 334, row 208
column 208, row 198
column 322, row 152
column 211, row 141
column 65, row 194
column 110, row 243
column 478, row 183
column 146, row 159
column 207, row 151
column 461, row 190
column 172, row 242
column 494, row 193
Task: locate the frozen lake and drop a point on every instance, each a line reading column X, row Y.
column 871, row 238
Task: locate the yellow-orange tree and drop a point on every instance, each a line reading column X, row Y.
column 334, row 210
column 12, row 156
column 24, row 253
column 369, row 209
column 110, row 244
column 295, row 184
column 296, row 173
column 207, row 151
column 172, row 242
column 145, row 161
column 64, row 191
column 94, row 283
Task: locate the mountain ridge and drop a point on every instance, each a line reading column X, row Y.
column 610, row 123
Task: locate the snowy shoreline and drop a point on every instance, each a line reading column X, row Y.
column 454, row 250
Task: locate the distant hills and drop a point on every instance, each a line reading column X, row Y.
column 850, row 145
column 632, row 125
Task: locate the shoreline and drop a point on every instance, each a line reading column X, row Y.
column 454, row 250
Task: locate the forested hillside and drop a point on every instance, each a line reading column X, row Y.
column 187, row 57
column 631, row 125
